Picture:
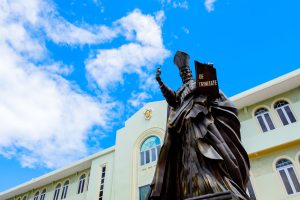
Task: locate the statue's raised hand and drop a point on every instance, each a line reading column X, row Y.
column 157, row 77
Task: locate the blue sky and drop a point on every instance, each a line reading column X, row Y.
column 71, row 72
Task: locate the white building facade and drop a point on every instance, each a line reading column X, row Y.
column 269, row 115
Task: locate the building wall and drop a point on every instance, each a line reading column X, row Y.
column 266, row 180
column 106, row 160
column 72, row 190
column 124, row 174
column 128, row 175
column 265, row 148
column 254, row 139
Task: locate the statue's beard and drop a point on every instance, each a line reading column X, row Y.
column 186, row 74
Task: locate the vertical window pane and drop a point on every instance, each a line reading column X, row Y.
column 142, row 158
column 79, row 187
column 158, row 149
column 290, row 114
column 262, row 124
column 82, row 187
column 269, row 121
column 282, row 117
column 286, row 182
column 147, row 156
column 66, row 191
column 153, row 154
column 144, row 191
column 294, row 179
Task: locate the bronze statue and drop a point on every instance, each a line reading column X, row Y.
column 202, row 156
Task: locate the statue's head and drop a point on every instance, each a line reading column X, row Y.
column 182, row 61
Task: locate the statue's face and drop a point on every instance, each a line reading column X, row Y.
column 185, row 73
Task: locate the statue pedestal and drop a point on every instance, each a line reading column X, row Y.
column 215, row 196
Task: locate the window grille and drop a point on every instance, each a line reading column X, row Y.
column 150, row 150
column 288, row 176
column 102, row 183
column 285, row 113
column 263, row 117
column 81, row 184
column 65, row 190
column 43, row 195
column 36, row 196
column 56, row 193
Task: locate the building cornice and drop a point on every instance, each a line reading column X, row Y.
column 267, row 90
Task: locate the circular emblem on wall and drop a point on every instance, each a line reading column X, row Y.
column 148, row 113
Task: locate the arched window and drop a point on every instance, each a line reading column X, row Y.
column 19, row 198
column 81, row 184
column 56, row 193
column 25, row 197
column 36, row 196
column 150, row 150
column 285, row 113
column 43, row 194
column 288, row 176
column 65, row 190
column 263, row 117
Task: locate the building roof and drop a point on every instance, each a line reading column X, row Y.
column 267, row 90
column 55, row 175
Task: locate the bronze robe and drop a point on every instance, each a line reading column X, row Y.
column 202, row 151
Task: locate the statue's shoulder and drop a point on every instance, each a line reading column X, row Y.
column 186, row 89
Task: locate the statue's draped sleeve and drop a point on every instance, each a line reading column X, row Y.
column 169, row 95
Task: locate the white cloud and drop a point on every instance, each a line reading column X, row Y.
column 186, row 30
column 44, row 118
column 209, row 5
column 137, row 99
column 100, row 5
column 181, row 4
column 144, row 50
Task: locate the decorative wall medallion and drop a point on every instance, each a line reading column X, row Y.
column 148, row 113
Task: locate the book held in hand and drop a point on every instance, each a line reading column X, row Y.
column 206, row 79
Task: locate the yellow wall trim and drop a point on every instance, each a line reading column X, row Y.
column 273, row 149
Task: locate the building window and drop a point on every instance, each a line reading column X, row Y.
column 81, row 184
column 250, row 191
column 143, row 191
column 102, row 183
column 150, row 150
column 285, row 113
column 288, row 176
column 36, row 196
column 65, row 190
column 25, row 197
column 88, row 182
column 43, row 195
column 263, row 117
column 56, row 193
